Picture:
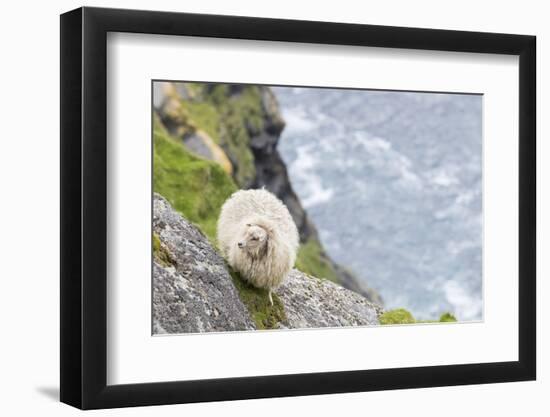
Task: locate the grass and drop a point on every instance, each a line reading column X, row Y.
column 402, row 316
column 195, row 187
column 204, row 116
column 256, row 300
column 312, row 260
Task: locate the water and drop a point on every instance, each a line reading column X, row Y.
column 393, row 182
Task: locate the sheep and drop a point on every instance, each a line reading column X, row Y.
column 258, row 238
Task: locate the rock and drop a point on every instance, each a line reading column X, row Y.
column 312, row 302
column 274, row 122
column 196, row 143
column 349, row 280
column 194, row 292
column 203, row 145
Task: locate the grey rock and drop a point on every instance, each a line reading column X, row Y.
column 274, row 122
column 312, row 302
column 196, row 144
column 195, row 293
column 351, row 282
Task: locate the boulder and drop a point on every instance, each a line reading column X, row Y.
column 313, row 302
column 192, row 290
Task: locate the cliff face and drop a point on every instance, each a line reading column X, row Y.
column 238, row 127
column 194, row 291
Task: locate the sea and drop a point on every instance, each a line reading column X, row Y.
column 393, row 182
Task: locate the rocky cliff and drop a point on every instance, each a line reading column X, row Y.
column 237, row 127
column 195, row 291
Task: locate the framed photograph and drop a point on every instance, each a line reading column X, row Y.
column 256, row 208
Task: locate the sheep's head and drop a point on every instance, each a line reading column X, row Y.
column 254, row 238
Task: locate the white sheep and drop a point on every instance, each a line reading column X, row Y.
column 258, row 238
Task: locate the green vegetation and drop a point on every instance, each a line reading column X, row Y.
column 160, row 253
column 239, row 114
column 397, row 316
column 194, row 186
column 228, row 117
column 195, row 90
column 447, row 318
column 203, row 116
column 312, row 260
column 265, row 315
column 402, row 316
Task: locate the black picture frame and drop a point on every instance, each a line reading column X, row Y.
column 84, row 207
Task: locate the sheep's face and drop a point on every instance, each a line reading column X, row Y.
column 253, row 238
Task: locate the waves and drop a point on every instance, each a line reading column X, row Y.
column 393, row 182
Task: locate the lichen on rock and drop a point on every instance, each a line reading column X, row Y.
column 310, row 302
column 197, row 294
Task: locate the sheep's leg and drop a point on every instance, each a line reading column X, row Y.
column 270, row 297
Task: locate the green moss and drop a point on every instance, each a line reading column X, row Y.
column 312, row 260
column 397, row 316
column 402, row 316
column 156, row 243
column 256, row 300
column 195, row 187
column 160, row 253
column 447, row 318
